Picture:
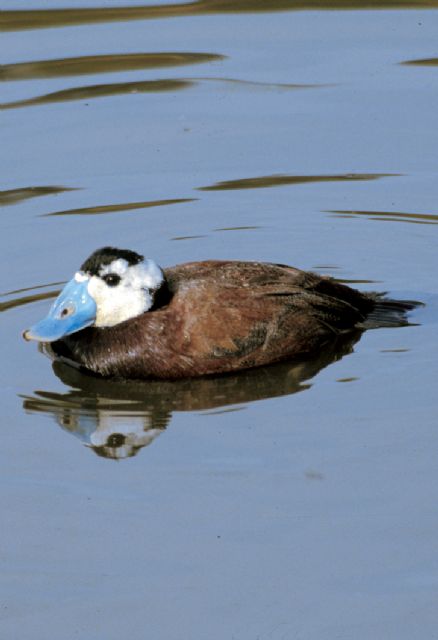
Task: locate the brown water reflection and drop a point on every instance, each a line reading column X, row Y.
column 100, row 91
column 44, row 18
column 83, row 65
column 388, row 216
column 22, row 300
column 241, row 228
column 116, row 419
column 19, row 301
column 90, row 92
column 31, row 296
column 188, row 237
column 425, row 62
column 356, row 281
column 112, row 208
column 12, row 196
column 35, row 288
column 251, row 84
column 262, row 182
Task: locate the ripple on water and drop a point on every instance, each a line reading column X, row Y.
column 387, row 216
column 13, row 196
column 45, row 18
column 100, row 91
column 279, row 180
column 19, row 301
column 424, row 62
column 113, row 208
column 84, row 65
column 90, row 92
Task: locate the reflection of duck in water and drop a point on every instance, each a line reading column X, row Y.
column 117, row 418
column 109, row 431
column 125, row 317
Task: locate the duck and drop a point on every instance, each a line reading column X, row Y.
column 123, row 316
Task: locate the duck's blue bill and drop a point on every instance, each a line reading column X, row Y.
column 73, row 310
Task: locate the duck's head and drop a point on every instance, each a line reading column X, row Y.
column 111, row 286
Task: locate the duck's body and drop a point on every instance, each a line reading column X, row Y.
column 216, row 317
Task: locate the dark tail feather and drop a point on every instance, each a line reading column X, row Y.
column 390, row 313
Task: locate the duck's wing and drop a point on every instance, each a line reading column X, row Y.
column 263, row 314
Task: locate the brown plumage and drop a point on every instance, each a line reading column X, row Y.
column 219, row 317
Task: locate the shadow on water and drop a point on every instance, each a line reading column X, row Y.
column 117, row 419
column 83, row 65
column 45, row 18
column 13, row 196
column 387, row 216
column 262, row 182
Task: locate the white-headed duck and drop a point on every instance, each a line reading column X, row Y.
column 125, row 317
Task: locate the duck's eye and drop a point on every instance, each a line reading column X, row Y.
column 111, row 279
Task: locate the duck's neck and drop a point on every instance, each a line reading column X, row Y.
column 161, row 296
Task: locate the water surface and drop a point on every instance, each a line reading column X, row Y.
column 293, row 501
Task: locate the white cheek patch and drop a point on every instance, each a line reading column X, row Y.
column 131, row 297
column 120, row 267
column 146, row 275
column 152, row 274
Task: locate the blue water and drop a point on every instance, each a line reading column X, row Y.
column 298, row 504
